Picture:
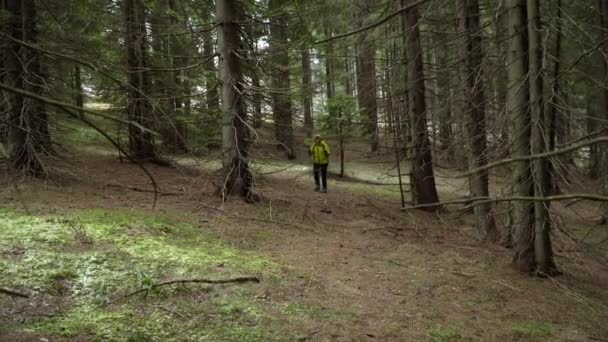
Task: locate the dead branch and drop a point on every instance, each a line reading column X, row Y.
column 481, row 200
column 372, row 25
column 572, row 147
column 136, row 189
column 237, row 280
column 13, row 293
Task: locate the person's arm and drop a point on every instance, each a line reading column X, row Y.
column 326, row 149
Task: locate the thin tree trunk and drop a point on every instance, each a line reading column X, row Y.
column 211, row 84
column 79, row 94
column 307, row 92
column 329, row 72
column 422, row 181
column 603, row 149
column 237, row 178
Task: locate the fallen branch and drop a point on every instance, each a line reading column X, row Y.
column 196, row 281
column 13, row 293
column 136, row 189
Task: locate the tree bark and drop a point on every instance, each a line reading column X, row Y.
column 79, row 93
column 603, row 148
column 141, row 143
column 543, row 252
column 307, row 92
column 281, row 101
column 422, row 179
column 366, row 80
column 211, row 84
column 474, row 104
column 237, row 178
column 519, row 110
column 28, row 132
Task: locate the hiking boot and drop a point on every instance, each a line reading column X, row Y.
column 317, row 188
column 324, row 190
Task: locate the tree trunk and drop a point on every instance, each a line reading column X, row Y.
column 557, row 120
column 28, row 132
column 237, row 178
column 329, row 71
column 307, row 92
column 79, row 94
column 603, row 149
column 141, row 143
column 366, row 81
column 474, row 104
column 422, row 182
column 544, row 263
column 519, row 110
column 281, row 101
column 211, row 84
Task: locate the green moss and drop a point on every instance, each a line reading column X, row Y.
column 127, row 251
column 532, row 329
column 443, row 334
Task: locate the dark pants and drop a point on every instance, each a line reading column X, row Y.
column 322, row 169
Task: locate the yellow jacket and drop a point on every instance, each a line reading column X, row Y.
column 320, row 152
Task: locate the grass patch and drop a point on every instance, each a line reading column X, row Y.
column 94, row 257
column 532, row 329
column 76, row 133
column 443, row 334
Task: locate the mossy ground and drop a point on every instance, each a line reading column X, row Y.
column 92, row 258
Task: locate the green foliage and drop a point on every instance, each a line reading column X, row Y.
column 341, row 108
column 443, row 334
column 532, row 329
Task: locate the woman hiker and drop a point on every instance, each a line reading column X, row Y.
column 320, row 159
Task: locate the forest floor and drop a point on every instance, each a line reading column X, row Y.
column 348, row 265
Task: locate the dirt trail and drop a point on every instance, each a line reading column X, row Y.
column 373, row 272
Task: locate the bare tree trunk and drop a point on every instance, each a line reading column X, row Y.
column 211, row 84
column 28, row 121
column 281, row 101
column 519, row 110
column 474, row 98
column 422, row 181
column 307, row 92
column 329, row 68
column 603, row 149
column 543, row 252
column 79, row 94
column 138, row 106
column 237, row 178
column 557, row 120
column 366, row 81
